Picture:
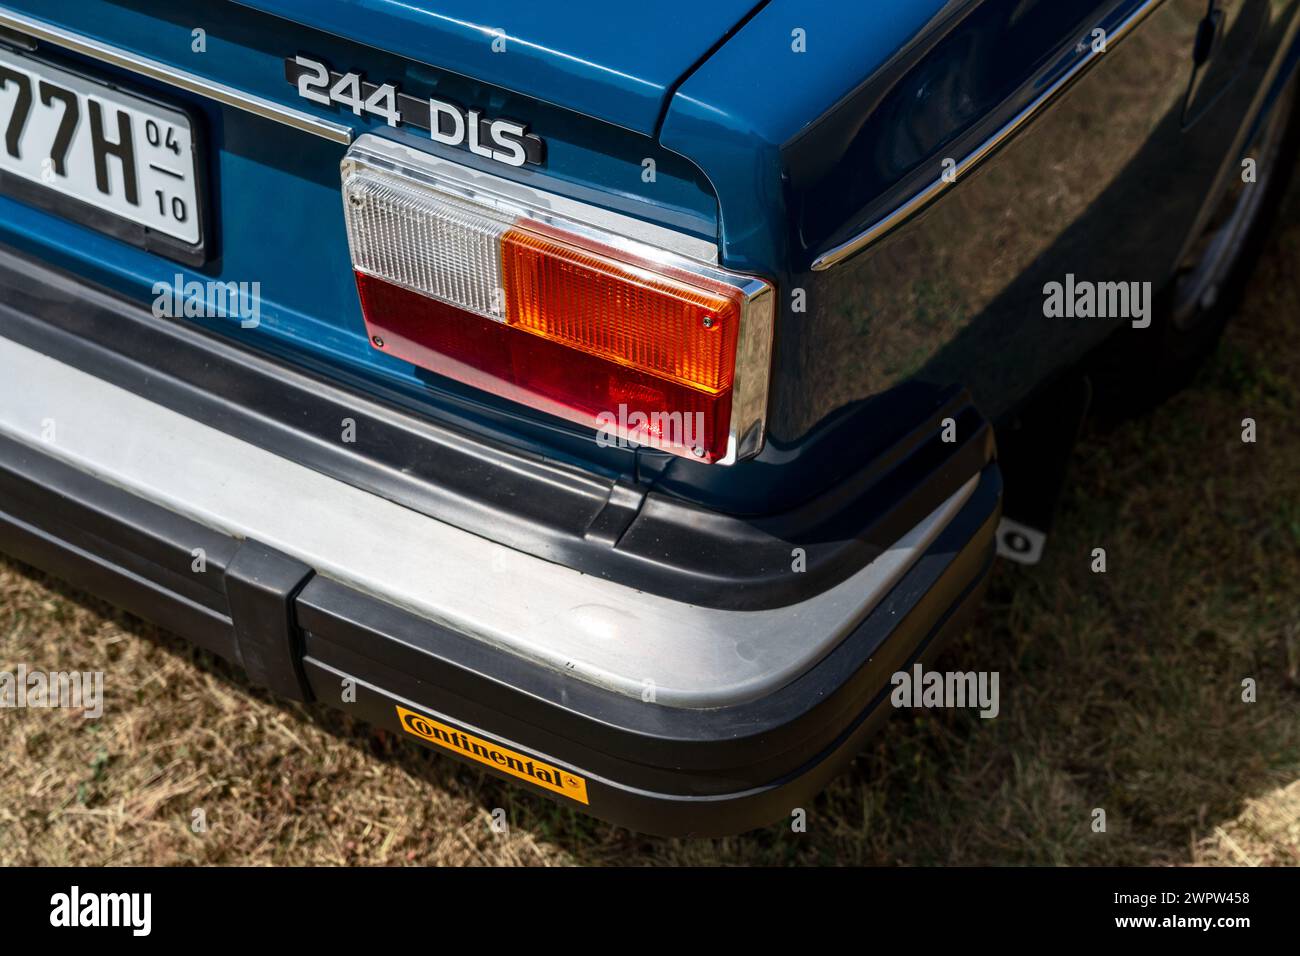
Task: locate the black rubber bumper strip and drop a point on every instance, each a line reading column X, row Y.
column 261, row 585
column 652, row 768
column 640, row 744
column 234, row 598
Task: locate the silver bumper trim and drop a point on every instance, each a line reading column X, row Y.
column 591, row 629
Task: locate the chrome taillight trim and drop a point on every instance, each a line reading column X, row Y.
column 386, row 154
column 751, row 381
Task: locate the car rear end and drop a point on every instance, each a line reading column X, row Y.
column 388, row 351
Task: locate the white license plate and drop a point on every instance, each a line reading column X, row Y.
column 86, row 140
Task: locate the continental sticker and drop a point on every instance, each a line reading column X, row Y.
column 494, row 755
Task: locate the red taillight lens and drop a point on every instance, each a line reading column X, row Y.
column 641, row 344
column 573, row 384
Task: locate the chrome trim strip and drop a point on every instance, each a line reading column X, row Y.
column 643, row 239
column 852, row 247
column 48, row 33
column 577, row 624
column 393, row 155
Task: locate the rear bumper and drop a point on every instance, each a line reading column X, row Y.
column 663, row 716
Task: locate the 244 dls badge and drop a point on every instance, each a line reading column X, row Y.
column 503, row 140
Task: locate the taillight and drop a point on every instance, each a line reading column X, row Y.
column 498, row 286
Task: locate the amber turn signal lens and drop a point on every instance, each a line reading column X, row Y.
column 579, row 297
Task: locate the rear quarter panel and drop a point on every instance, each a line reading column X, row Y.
column 1105, row 183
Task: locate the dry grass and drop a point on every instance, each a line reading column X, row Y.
column 1120, row 691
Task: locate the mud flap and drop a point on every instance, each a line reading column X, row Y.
column 1034, row 450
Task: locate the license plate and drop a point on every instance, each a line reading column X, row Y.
column 73, row 138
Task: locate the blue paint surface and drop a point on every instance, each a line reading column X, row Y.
column 614, row 61
column 776, row 128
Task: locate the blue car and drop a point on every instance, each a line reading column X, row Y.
column 613, row 398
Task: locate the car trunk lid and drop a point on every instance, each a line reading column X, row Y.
column 615, row 64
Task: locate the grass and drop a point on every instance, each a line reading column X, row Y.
column 1120, row 691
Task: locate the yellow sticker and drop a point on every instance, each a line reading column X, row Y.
column 494, row 755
